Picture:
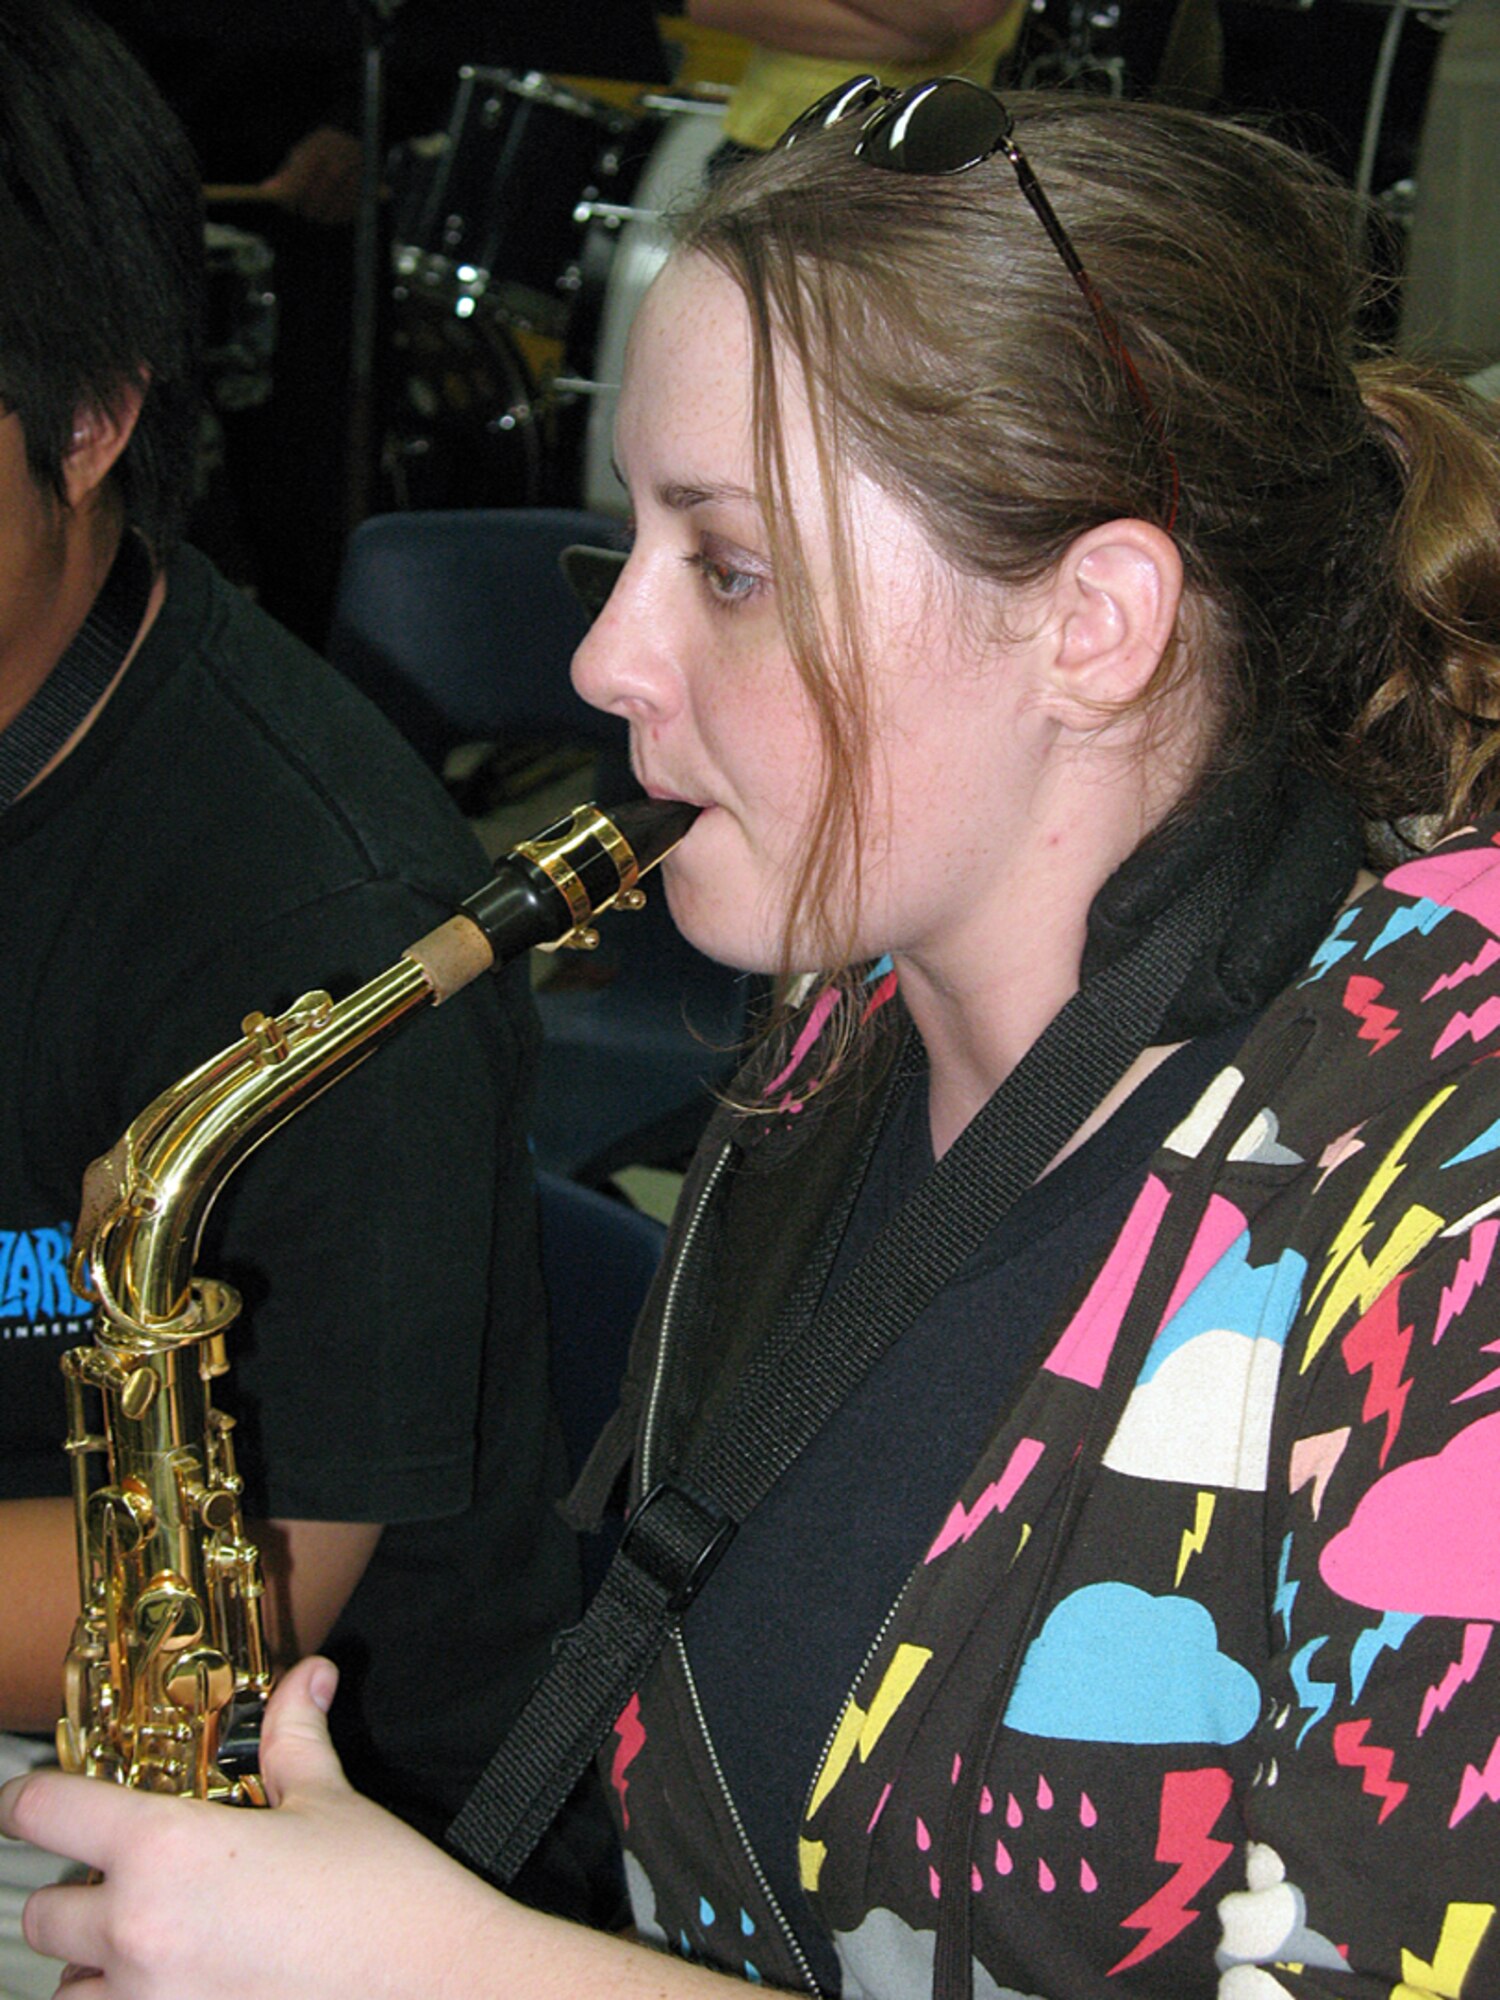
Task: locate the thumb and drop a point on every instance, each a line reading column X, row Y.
column 296, row 1754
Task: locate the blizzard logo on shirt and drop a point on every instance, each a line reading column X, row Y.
column 36, row 1300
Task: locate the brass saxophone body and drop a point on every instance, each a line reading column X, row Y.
column 167, row 1673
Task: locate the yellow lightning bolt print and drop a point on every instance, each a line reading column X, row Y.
column 861, row 1729
column 1351, row 1278
column 1464, row 1926
column 1193, row 1538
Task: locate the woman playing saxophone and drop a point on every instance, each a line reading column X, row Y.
column 1041, row 595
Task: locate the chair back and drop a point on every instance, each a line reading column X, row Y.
column 459, row 624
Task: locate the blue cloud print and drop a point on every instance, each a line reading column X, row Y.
column 1113, row 1664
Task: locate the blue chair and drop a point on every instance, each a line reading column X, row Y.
column 461, row 626
column 599, row 1256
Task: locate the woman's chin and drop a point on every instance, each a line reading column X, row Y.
column 714, row 921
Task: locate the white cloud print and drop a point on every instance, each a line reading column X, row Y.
column 1200, row 1414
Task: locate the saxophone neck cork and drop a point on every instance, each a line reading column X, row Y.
column 451, row 957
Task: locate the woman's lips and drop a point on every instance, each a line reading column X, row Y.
column 654, row 791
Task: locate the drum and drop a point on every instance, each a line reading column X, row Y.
column 1345, row 79
column 239, row 330
column 624, row 246
column 486, row 217
column 466, row 426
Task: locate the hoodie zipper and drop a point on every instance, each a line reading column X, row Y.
column 648, row 1439
column 843, row 1709
column 788, row 1935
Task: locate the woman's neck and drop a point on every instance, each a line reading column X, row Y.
column 975, row 1029
column 981, row 992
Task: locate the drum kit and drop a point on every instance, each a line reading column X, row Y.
column 524, row 237
column 239, row 316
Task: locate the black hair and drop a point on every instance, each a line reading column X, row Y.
column 101, row 257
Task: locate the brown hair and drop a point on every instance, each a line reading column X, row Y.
column 1340, row 516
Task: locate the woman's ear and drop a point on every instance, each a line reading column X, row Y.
column 100, row 435
column 1116, row 596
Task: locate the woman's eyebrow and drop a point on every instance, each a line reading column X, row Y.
column 681, row 496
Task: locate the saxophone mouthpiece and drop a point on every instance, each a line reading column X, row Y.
column 653, row 827
column 548, row 890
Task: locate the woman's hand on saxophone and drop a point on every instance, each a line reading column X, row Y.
column 326, row 1896
column 206, row 1901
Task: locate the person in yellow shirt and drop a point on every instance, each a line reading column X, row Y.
column 802, row 48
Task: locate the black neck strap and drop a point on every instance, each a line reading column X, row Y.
column 1304, row 843
column 816, row 1353
column 83, row 673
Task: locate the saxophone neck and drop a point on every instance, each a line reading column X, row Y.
column 145, row 1202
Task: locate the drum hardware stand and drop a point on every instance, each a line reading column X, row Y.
column 1434, row 13
column 1077, row 63
column 376, row 18
column 708, row 101
column 615, row 214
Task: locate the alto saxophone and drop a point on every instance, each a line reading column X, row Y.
column 167, row 1673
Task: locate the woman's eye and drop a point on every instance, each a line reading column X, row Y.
column 728, row 584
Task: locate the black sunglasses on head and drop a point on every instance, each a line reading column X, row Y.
column 946, row 126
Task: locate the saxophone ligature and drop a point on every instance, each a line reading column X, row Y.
column 167, row 1673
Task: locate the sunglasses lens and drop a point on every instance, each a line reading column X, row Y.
column 943, row 127
column 846, row 100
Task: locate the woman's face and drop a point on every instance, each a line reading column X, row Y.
column 691, row 650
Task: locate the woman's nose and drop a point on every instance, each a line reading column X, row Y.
column 621, row 665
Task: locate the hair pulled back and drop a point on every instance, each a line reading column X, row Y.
column 1338, row 513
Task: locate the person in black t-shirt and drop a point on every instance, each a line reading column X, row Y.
column 211, row 821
